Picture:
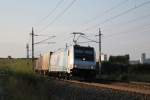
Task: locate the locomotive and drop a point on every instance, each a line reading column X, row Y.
column 75, row 60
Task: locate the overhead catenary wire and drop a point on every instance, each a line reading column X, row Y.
column 118, row 15
column 44, row 40
column 50, row 13
column 58, row 16
column 126, row 32
column 134, row 20
column 68, row 37
column 130, row 30
column 81, row 36
column 40, row 49
column 89, row 39
column 106, row 11
column 44, row 35
column 112, row 34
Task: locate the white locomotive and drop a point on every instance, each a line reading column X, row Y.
column 74, row 60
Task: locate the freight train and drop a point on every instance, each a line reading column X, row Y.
column 75, row 60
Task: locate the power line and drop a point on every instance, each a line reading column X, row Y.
column 43, row 48
column 68, row 37
column 89, row 39
column 120, row 14
column 51, row 12
column 121, row 33
column 107, row 11
column 44, row 40
column 134, row 20
column 130, row 30
column 44, row 35
column 58, row 16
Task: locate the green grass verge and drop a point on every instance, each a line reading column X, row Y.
column 19, row 82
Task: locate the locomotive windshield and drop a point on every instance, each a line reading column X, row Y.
column 84, row 53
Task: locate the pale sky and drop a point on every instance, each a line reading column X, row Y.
column 125, row 25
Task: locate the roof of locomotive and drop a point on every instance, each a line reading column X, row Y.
column 85, row 47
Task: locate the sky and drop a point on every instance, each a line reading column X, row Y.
column 124, row 24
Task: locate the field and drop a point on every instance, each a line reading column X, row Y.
column 19, row 82
column 126, row 72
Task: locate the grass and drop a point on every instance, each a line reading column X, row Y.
column 19, row 82
column 121, row 72
column 21, row 66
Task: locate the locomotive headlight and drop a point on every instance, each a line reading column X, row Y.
column 92, row 67
column 83, row 59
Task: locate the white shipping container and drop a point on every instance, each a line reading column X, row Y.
column 58, row 61
column 45, row 61
column 38, row 65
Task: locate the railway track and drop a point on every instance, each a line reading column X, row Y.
column 127, row 87
column 132, row 87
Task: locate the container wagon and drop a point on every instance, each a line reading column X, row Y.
column 74, row 60
column 42, row 64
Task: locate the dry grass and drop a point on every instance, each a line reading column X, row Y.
column 18, row 82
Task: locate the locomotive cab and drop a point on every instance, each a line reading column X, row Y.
column 84, row 60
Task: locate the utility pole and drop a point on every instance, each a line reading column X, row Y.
column 32, row 34
column 34, row 43
column 27, row 47
column 99, row 50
